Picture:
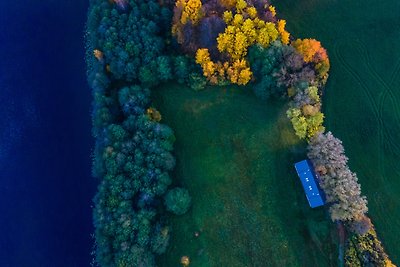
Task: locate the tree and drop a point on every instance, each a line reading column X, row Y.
column 360, row 226
column 164, row 68
column 340, row 185
column 307, row 47
column 282, row 32
column 181, row 68
column 239, row 73
column 312, row 51
column 299, row 122
column 191, row 10
column 186, row 12
column 366, row 250
column 177, row 201
column 277, row 68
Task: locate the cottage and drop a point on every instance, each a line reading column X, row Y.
column 307, row 177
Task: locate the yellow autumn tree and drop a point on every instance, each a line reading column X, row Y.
column 153, row 114
column 239, row 72
column 213, row 71
column 240, row 5
column 188, row 10
column 242, row 33
column 191, row 10
column 282, row 32
column 252, row 12
column 243, row 30
column 305, row 125
column 271, row 8
column 203, row 58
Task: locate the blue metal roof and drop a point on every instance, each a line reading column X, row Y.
column 307, row 177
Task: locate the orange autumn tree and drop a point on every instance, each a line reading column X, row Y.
column 312, row 51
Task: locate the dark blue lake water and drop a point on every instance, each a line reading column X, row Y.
column 46, row 187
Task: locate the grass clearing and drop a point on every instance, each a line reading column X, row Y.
column 235, row 154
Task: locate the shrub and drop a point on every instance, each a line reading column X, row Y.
column 305, row 113
column 177, row 201
column 197, row 82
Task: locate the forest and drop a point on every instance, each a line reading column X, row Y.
column 135, row 46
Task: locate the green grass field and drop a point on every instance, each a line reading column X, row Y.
column 235, row 154
column 362, row 95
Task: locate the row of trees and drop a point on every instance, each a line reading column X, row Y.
column 134, row 163
column 133, row 153
column 340, row 185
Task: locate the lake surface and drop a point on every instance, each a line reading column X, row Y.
column 362, row 95
column 45, row 142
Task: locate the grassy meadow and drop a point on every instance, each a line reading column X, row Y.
column 235, row 154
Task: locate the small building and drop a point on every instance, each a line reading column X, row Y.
column 308, row 177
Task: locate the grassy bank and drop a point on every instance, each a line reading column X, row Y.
column 235, row 154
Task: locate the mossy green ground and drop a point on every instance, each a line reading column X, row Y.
column 362, row 95
column 235, row 154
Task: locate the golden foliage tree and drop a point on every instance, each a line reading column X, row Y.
column 187, row 10
column 271, row 8
column 191, row 10
column 282, row 32
column 239, row 73
column 243, row 29
column 203, row 58
column 213, row 71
